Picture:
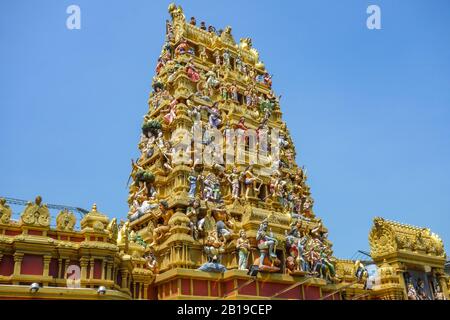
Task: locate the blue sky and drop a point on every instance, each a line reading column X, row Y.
column 369, row 110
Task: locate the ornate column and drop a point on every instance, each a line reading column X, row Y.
column 46, row 260
column 145, row 291
column 91, row 268
column 83, row 264
column 443, row 284
column 124, row 274
column 109, row 271
column 399, row 267
column 66, row 265
column 138, row 288
column 18, row 257
column 103, row 269
column 60, row 268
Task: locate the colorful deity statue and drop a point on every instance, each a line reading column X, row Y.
column 234, row 92
column 412, row 293
column 234, row 179
column 214, row 118
column 325, row 267
column 207, row 223
column 217, row 58
column 192, row 213
column 211, row 189
column 266, row 243
column 162, row 229
column 224, row 91
column 141, row 206
column 152, row 262
column 171, row 112
column 243, row 247
column 211, row 81
column 227, row 59
column 223, row 232
column 203, row 54
column 213, row 250
column 267, row 80
column 192, row 179
column 307, row 207
column 421, row 293
column 360, row 271
column 160, row 64
column 239, row 63
column 248, row 98
column 182, row 48
column 192, row 72
column 295, row 245
column 250, row 181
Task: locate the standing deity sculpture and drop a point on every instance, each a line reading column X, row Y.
column 212, row 82
column 295, row 246
column 239, row 63
column 171, row 112
column 227, row 59
column 243, row 247
column 234, row 92
column 266, row 243
column 192, row 179
column 217, row 58
column 203, row 54
column 192, row 213
column 250, row 180
column 234, row 178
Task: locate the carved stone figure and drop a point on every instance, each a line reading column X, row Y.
column 192, row 179
column 213, row 249
column 227, row 59
column 267, row 246
column 243, row 247
column 192, row 213
column 5, row 212
column 234, row 179
column 36, row 214
column 65, row 221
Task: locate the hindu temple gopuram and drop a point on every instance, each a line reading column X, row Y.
column 218, row 207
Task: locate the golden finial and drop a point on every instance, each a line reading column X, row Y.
column 94, row 207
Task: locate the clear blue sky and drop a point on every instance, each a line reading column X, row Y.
column 369, row 110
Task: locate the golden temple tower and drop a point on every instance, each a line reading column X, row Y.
column 217, row 181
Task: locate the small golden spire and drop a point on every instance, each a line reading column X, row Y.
column 94, row 207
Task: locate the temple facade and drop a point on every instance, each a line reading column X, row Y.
column 218, row 207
